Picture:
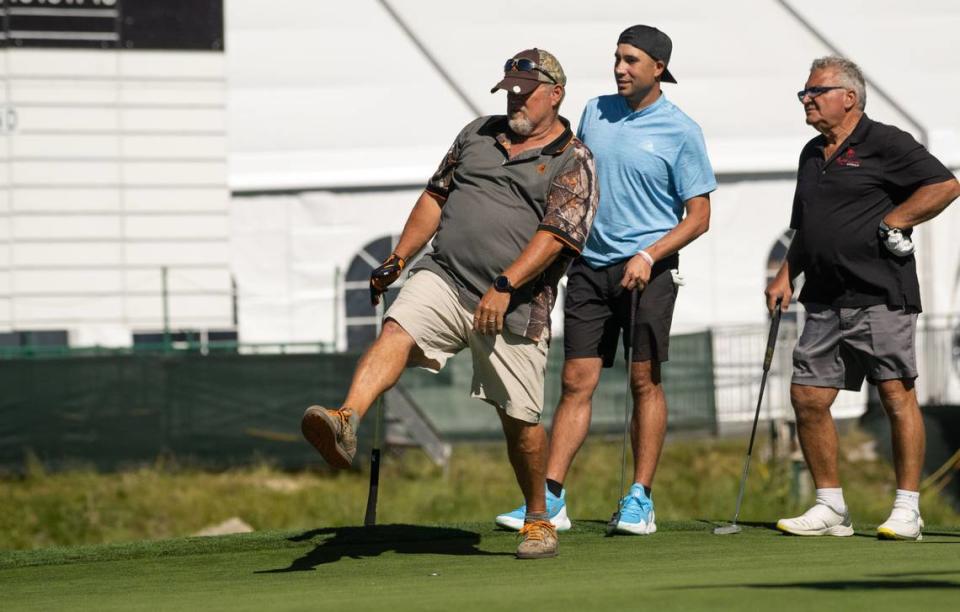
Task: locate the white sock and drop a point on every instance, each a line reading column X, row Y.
column 832, row 498
column 907, row 499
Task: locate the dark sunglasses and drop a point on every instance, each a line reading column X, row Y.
column 813, row 92
column 526, row 65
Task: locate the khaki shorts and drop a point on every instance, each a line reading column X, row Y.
column 508, row 370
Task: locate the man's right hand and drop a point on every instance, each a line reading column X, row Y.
column 384, row 276
column 780, row 288
column 636, row 274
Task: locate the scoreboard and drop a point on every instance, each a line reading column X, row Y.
column 125, row 24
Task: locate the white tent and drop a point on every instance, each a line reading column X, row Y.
column 364, row 97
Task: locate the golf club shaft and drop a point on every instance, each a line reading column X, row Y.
column 628, row 356
column 370, row 516
column 746, row 463
column 767, row 360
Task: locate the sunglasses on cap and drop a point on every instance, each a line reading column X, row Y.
column 813, row 92
column 526, row 65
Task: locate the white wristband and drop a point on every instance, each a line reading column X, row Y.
column 646, row 257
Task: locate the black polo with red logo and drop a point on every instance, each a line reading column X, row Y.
column 838, row 205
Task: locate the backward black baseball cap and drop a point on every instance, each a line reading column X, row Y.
column 653, row 42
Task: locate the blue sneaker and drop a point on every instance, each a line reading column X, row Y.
column 556, row 510
column 636, row 513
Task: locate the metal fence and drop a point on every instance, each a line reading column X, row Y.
column 227, row 403
column 938, row 359
column 738, row 353
column 688, row 382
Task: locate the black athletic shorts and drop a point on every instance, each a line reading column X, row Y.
column 597, row 308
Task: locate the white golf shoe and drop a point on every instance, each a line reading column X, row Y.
column 817, row 521
column 903, row 524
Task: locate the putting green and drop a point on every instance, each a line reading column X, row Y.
column 471, row 567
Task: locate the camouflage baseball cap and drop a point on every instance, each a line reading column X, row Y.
column 527, row 69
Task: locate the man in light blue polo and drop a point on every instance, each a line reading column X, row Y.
column 655, row 181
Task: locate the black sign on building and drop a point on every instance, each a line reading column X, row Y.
column 187, row 25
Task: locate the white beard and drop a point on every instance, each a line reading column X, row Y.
column 521, row 125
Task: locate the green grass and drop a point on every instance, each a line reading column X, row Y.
column 697, row 479
column 438, row 549
column 470, row 567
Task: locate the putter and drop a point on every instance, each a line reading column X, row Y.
column 370, row 517
column 627, row 355
column 771, row 344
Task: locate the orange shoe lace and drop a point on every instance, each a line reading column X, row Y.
column 534, row 530
column 343, row 415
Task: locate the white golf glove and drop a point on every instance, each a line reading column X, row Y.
column 895, row 240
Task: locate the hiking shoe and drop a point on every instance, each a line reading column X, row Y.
column 556, row 510
column 819, row 520
column 636, row 513
column 903, row 524
column 332, row 432
column 539, row 540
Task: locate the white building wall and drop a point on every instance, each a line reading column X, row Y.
column 115, row 168
column 288, row 250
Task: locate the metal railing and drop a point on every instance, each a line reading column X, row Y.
column 738, row 357
column 172, row 347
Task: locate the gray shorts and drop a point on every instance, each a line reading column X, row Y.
column 841, row 346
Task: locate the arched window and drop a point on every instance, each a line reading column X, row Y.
column 778, row 252
column 361, row 316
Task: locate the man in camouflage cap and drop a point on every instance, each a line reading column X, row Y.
column 526, row 70
column 509, row 206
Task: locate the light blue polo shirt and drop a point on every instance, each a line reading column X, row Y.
column 649, row 162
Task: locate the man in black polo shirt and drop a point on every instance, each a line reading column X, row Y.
column 510, row 204
column 861, row 188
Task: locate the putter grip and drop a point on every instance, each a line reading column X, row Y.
column 370, row 518
column 772, row 338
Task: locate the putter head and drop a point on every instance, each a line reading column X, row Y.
column 727, row 529
column 612, row 523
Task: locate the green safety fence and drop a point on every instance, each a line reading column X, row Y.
column 687, row 379
column 111, row 411
column 231, row 407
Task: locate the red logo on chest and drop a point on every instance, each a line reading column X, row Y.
column 848, row 158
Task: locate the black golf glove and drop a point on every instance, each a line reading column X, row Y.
column 896, row 240
column 384, row 276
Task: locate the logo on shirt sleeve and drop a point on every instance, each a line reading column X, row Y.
column 848, row 158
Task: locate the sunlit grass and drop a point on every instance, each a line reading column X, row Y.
column 697, row 479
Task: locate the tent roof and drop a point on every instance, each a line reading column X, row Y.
column 338, row 95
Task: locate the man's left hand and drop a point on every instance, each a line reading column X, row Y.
column 488, row 317
column 896, row 240
column 384, row 275
column 636, row 274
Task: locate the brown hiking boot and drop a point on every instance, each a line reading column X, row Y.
column 539, row 540
column 332, row 432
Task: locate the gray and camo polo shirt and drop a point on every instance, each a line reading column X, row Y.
column 492, row 207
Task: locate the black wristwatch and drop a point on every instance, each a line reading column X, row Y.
column 502, row 284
